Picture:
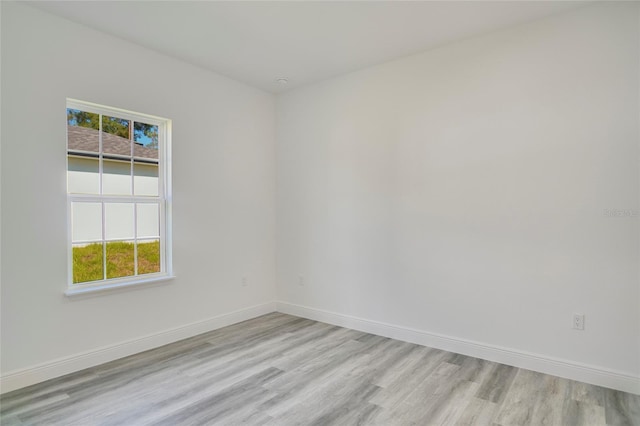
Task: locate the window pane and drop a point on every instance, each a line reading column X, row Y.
column 145, row 151
column 82, row 132
column 88, row 120
column 120, row 127
column 145, row 179
column 148, row 256
column 86, row 221
column 82, row 151
column 87, row 262
column 83, row 175
column 148, row 217
column 116, row 140
column 116, row 178
column 120, row 259
column 119, row 221
column 145, row 137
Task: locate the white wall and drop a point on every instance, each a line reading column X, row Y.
column 223, row 179
column 462, row 191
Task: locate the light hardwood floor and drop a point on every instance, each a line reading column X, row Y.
column 283, row 370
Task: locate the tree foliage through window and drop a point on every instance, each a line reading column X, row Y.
column 114, row 126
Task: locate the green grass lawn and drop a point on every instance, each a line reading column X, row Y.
column 87, row 260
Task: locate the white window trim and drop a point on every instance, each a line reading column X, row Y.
column 165, row 195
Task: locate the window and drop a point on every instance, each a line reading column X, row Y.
column 119, row 195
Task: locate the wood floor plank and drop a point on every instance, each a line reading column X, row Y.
column 478, row 412
column 495, row 388
column 438, row 399
column 409, row 375
column 280, row 370
column 583, row 413
column 549, row 407
column 622, row 408
column 587, row 393
column 520, row 401
column 216, row 407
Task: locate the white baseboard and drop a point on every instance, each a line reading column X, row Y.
column 544, row 364
column 49, row 370
column 541, row 363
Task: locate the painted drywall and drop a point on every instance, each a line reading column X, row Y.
column 484, row 191
column 223, row 181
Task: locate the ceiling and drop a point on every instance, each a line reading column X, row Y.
column 303, row 41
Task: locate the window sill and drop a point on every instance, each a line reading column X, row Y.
column 86, row 290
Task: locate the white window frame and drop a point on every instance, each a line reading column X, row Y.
column 164, row 201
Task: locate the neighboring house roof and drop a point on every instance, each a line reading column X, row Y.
column 84, row 141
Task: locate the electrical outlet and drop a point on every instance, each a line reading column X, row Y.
column 578, row 321
column 300, row 280
column 244, row 281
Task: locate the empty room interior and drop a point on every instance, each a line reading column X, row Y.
column 320, row 213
